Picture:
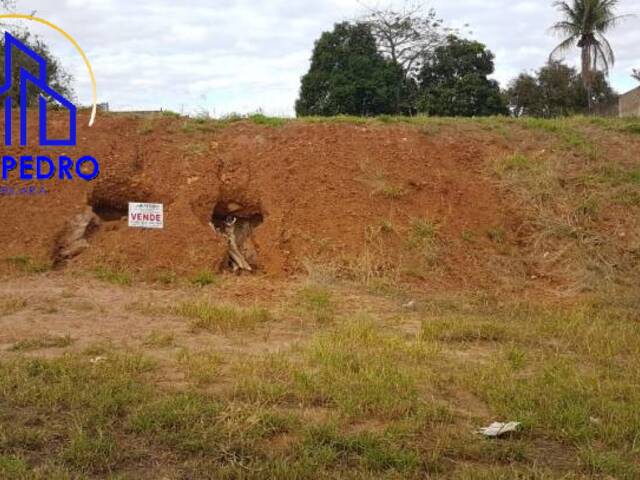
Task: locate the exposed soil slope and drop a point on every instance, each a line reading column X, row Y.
column 435, row 202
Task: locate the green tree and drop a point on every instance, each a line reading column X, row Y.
column 584, row 25
column 57, row 77
column 555, row 90
column 348, row 75
column 525, row 96
column 454, row 81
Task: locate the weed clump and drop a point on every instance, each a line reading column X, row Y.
column 221, row 318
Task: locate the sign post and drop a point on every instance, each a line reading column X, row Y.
column 146, row 215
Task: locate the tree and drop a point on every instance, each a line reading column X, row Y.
column 349, row 76
column 407, row 35
column 636, row 74
column 525, row 96
column 584, row 25
column 454, row 81
column 555, row 90
column 57, row 77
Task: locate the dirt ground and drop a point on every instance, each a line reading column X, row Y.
column 414, row 280
column 95, row 312
column 353, row 195
column 319, row 188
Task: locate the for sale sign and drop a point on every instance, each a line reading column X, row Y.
column 146, row 215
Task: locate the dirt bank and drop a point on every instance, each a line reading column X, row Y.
column 416, row 202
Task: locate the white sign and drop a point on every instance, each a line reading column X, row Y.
column 146, row 215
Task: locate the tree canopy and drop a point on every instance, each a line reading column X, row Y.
column 57, row 77
column 454, row 81
column 348, row 75
column 555, row 90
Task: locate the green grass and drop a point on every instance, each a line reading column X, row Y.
column 221, row 318
column 26, row 264
column 114, row 275
column 424, row 242
column 170, row 114
column 369, row 451
column 260, row 119
column 517, row 161
column 457, row 329
column 317, row 302
column 13, row 467
column 633, row 128
column 206, row 278
column 616, row 176
column 166, row 277
column 569, row 131
column 354, row 369
column 200, row 367
column 377, row 180
column 39, row 343
column 422, row 230
column 365, row 398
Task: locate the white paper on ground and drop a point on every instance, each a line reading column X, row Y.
column 496, row 429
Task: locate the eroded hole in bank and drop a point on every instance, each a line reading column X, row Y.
column 236, row 223
column 110, row 213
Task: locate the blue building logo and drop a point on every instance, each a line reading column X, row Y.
column 29, row 168
column 40, row 81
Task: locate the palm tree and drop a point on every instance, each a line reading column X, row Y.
column 585, row 24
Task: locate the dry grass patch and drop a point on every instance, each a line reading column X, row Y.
column 157, row 339
column 563, row 199
column 40, row 343
column 10, row 305
column 200, row 367
column 378, row 181
column 221, row 318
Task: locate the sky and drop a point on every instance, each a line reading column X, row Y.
column 224, row 56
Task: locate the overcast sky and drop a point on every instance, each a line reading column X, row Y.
column 225, row 56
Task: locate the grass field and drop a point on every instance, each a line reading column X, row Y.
column 358, row 386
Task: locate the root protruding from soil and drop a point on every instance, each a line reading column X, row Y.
column 236, row 223
column 72, row 241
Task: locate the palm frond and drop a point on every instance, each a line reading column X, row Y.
column 565, row 28
column 599, row 58
column 563, row 47
column 612, row 22
column 566, row 9
column 607, row 50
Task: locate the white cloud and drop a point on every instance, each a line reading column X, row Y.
column 226, row 55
